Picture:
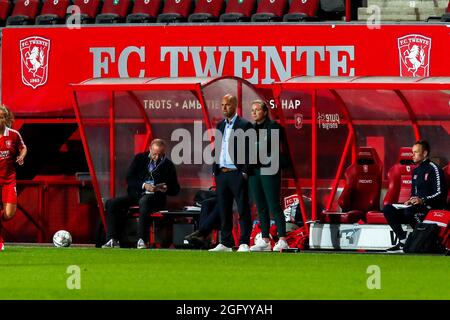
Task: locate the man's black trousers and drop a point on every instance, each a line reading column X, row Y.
column 232, row 185
column 411, row 215
column 117, row 209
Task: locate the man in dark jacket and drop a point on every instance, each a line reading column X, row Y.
column 231, row 172
column 428, row 192
column 151, row 177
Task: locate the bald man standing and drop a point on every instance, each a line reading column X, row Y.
column 231, row 173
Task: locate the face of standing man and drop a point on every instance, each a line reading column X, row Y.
column 229, row 105
column 258, row 113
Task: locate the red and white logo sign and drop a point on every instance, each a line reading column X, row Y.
column 290, row 200
column 414, row 53
column 34, row 53
column 8, row 143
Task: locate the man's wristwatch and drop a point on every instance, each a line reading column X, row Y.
column 423, row 200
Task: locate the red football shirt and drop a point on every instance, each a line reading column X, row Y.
column 11, row 144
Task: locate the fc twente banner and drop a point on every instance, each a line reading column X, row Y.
column 38, row 64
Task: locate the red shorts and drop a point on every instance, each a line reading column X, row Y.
column 9, row 193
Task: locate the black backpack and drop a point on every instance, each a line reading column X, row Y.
column 424, row 239
column 204, row 195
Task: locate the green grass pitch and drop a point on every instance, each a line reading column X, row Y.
column 41, row 273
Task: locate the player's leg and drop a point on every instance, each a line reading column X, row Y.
column 10, row 211
column 395, row 218
column 116, row 210
column 9, row 198
column 148, row 204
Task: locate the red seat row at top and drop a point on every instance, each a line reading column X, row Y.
column 50, row 12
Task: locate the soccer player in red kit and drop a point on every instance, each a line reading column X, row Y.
column 12, row 151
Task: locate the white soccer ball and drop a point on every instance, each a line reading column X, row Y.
column 62, row 238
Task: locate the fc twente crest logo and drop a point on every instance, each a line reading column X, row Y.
column 414, row 53
column 34, row 52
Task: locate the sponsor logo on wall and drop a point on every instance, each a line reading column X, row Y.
column 328, row 121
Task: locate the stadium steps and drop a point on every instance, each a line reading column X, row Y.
column 406, row 10
column 409, row 3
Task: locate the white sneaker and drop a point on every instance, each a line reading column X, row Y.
column 261, row 245
column 280, row 245
column 141, row 244
column 243, row 248
column 111, row 244
column 220, row 248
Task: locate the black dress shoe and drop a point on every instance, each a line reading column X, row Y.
column 193, row 234
column 199, row 242
column 397, row 248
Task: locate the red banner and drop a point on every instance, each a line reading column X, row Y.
column 39, row 63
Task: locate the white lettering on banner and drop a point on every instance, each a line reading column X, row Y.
column 123, row 60
column 210, row 104
column 191, row 104
column 286, row 104
column 211, row 69
column 173, row 57
column 311, row 57
column 211, row 61
column 339, row 57
column 272, row 57
column 240, row 64
column 100, row 64
column 103, row 57
column 157, row 104
column 179, row 104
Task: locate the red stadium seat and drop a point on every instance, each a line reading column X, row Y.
column 175, row 11
column 25, row 11
column 5, row 10
column 114, row 11
column 441, row 217
column 207, row 11
column 361, row 191
column 447, row 179
column 88, row 9
column 270, row 10
column 145, row 11
column 238, row 10
column 302, row 10
column 53, row 12
column 400, row 181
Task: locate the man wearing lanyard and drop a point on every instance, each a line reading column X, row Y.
column 151, row 177
column 231, row 175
